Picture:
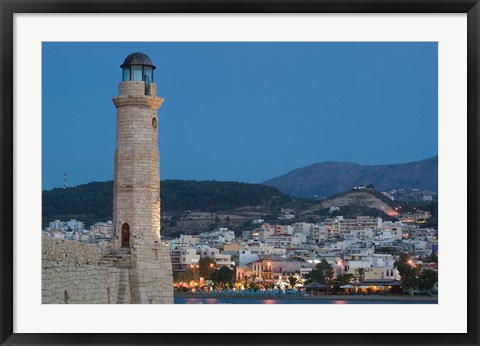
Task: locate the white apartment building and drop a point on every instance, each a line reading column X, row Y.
column 246, row 256
column 214, row 253
column 319, row 234
column 183, row 257
column 339, row 223
column 184, row 241
column 102, row 230
column 219, row 236
column 282, row 241
column 75, row 225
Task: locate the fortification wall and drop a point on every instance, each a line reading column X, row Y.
column 76, row 273
column 151, row 278
column 70, row 251
column 71, row 283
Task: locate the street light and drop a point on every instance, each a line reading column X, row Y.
column 194, row 267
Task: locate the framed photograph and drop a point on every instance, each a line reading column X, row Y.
column 273, row 172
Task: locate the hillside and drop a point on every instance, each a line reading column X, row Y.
column 327, row 178
column 93, row 201
column 353, row 203
column 365, row 198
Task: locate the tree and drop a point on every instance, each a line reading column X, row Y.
column 345, row 279
column 185, row 276
column 322, row 273
column 206, row 267
column 292, row 280
column 432, row 258
column 360, row 274
column 252, row 284
column 428, row 278
column 370, row 186
column 92, row 202
column 409, row 272
column 223, row 277
column 244, row 281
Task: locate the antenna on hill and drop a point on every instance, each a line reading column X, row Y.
column 65, row 185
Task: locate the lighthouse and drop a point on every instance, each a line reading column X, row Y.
column 136, row 241
column 136, row 202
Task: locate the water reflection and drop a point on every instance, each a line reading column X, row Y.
column 186, row 300
column 339, row 302
column 269, row 301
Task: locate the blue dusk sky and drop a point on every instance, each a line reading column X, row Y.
column 243, row 111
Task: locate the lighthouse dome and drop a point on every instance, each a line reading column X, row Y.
column 137, row 67
column 138, row 58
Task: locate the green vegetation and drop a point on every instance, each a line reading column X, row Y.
column 345, row 279
column 206, row 267
column 217, row 195
column 93, row 202
column 408, row 270
column 88, row 203
column 360, row 274
column 413, row 276
column 223, row 277
column 292, row 280
column 432, row 258
column 427, row 279
column 243, row 202
column 185, row 276
column 322, row 273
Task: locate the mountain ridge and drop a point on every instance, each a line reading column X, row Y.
column 323, row 179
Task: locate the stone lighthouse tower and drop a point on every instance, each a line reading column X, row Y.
column 136, row 201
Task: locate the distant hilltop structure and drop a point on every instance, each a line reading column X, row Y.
column 135, row 267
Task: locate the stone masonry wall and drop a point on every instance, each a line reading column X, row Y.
column 71, row 274
column 76, row 273
column 71, row 283
column 136, row 163
column 151, row 278
column 70, row 251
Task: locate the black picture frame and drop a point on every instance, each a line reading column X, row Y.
column 10, row 7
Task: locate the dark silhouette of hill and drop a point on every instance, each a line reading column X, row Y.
column 327, row 178
column 93, row 202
